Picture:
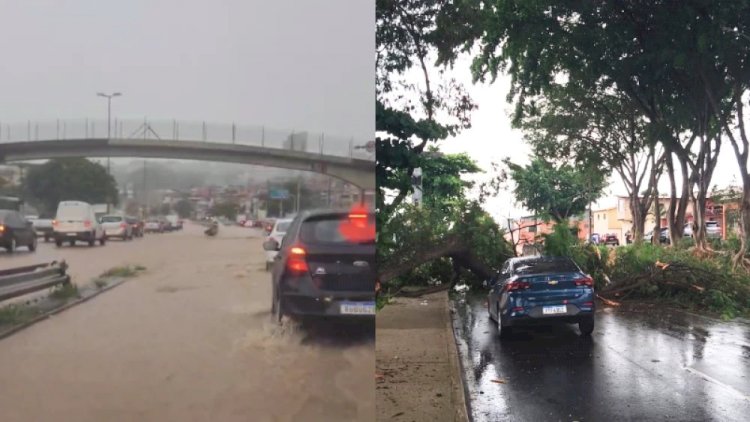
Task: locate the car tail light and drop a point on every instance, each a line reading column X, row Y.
column 87, row 223
column 123, row 225
column 585, row 281
column 588, row 303
column 296, row 262
column 55, row 222
column 518, row 309
column 518, row 285
column 2, row 228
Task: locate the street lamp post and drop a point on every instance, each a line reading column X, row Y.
column 109, row 117
column 109, row 126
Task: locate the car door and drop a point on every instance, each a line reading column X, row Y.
column 20, row 227
column 496, row 288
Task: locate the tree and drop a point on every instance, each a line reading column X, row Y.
column 404, row 42
column 70, row 179
column 184, row 208
column 653, row 53
column 226, row 209
column 555, row 192
column 590, row 126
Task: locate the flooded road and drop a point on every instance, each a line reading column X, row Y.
column 639, row 364
column 190, row 339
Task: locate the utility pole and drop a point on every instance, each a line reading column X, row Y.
column 299, row 181
column 109, row 128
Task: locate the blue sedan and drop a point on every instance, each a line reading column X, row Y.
column 533, row 290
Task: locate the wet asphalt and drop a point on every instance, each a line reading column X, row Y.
column 642, row 363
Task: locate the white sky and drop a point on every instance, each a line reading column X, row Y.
column 287, row 64
column 492, row 139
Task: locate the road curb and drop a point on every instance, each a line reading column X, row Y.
column 46, row 315
column 459, row 386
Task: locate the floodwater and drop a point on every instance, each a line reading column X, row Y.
column 191, row 339
column 640, row 364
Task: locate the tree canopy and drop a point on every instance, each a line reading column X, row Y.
column 70, row 179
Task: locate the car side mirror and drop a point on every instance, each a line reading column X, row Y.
column 271, row 245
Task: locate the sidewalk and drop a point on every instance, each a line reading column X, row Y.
column 417, row 372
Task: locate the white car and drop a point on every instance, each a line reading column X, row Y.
column 116, row 226
column 277, row 234
column 713, row 230
column 76, row 221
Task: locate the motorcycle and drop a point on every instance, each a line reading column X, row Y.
column 212, row 230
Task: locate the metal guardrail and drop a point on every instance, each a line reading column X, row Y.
column 174, row 130
column 19, row 281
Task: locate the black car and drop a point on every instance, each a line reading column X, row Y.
column 15, row 231
column 325, row 266
column 611, row 240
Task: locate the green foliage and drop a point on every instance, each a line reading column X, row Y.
column 64, row 291
column 184, row 208
column 226, row 209
column 708, row 283
column 64, row 179
column 561, row 241
column 555, row 192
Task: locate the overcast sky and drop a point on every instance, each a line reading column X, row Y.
column 288, row 64
column 491, row 139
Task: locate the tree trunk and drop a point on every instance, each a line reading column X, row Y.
column 656, row 238
column 740, row 259
column 699, row 222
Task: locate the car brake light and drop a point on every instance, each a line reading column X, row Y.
column 87, row 223
column 123, row 225
column 585, row 281
column 2, row 228
column 54, row 222
column 353, row 216
column 518, row 285
column 296, row 262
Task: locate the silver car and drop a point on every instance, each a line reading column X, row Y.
column 117, row 226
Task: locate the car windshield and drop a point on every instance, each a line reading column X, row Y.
column 545, row 265
column 338, row 228
column 111, row 219
column 282, row 227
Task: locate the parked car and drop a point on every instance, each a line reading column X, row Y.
column 153, row 225
column 277, row 234
column 136, row 224
column 116, row 226
column 713, row 230
column 43, row 226
column 663, row 236
column 541, row 290
column 325, row 266
column 76, row 221
column 16, row 231
column 611, row 240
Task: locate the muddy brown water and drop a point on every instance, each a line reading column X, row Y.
column 190, row 340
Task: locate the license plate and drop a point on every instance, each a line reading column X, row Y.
column 72, row 234
column 554, row 310
column 357, row 308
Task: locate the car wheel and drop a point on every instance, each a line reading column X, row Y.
column 32, row 245
column 11, row 248
column 92, row 241
column 277, row 312
column 489, row 311
column 502, row 331
column 586, row 326
column 46, row 239
column 58, row 243
column 103, row 240
column 72, row 242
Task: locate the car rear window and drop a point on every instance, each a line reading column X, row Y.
column 545, row 265
column 111, row 219
column 338, row 228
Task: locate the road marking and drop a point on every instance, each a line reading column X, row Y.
column 715, row 381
